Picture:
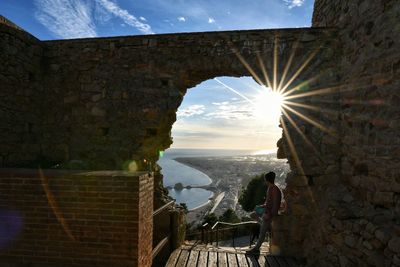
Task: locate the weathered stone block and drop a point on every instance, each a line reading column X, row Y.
column 383, row 235
column 383, row 198
column 394, row 245
column 350, row 241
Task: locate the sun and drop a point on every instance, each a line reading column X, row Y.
column 268, row 104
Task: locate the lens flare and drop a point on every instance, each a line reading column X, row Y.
column 133, row 166
column 11, row 225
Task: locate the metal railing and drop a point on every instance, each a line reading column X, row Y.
column 234, row 226
column 166, row 239
column 214, row 233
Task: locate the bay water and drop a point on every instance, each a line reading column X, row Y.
column 175, row 172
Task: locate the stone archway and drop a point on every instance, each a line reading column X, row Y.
column 120, row 94
column 101, row 102
column 107, row 101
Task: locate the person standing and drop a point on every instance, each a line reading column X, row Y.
column 271, row 207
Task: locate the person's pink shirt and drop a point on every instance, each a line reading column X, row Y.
column 272, row 202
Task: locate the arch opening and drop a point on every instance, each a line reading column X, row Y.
column 225, row 135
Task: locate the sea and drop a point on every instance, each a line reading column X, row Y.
column 175, row 172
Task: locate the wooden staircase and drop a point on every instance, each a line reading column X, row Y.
column 193, row 254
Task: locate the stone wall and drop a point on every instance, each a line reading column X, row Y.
column 108, row 101
column 70, row 218
column 7, row 22
column 21, row 95
column 311, row 143
column 353, row 209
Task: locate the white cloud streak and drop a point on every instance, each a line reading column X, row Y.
column 229, row 111
column 76, row 18
column 66, row 18
column 211, row 20
column 182, row 19
column 294, row 3
column 191, row 111
column 220, row 103
column 128, row 18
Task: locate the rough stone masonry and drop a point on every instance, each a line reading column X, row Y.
column 101, row 103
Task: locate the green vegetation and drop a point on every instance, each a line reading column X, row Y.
column 253, row 194
column 229, row 216
column 184, row 207
column 210, row 218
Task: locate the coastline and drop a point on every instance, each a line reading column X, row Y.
column 198, row 213
column 209, row 201
column 228, row 175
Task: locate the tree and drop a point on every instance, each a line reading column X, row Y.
column 210, row 218
column 253, row 194
column 229, row 216
column 184, row 207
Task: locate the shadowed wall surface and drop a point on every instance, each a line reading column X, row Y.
column 98, row 103
column 358, row 220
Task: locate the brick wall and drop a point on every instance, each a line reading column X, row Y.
column 66, row 218
column 145, row 233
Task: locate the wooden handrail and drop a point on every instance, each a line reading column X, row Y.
column 233, row 224
column 160, row 246
column 163, row 208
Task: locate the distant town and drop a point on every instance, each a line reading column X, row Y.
column 229, row 175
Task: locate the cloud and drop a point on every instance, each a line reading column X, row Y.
column 191, row 111
column 128, row 18
column 228, row 111
column 66, row 18
column 76, row 18
column 101, row 15
column 197, row 134
column 182, row 19
column 220, row 103
column 211, row 20
column 294, row 3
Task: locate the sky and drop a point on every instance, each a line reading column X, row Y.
column 219, row 113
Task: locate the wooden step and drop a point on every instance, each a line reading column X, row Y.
column 200, row 255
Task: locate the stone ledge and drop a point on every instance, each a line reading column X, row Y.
column 34, row 173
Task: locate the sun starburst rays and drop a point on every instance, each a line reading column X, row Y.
column 287, row 66
column 294, row 81
column 290, row 96
column 299, row 70
column 264, row 71
column 275, row 77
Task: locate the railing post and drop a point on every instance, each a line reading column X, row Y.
column 217, row 234
column 250, row 239
column 233, row 237
column 177, row 230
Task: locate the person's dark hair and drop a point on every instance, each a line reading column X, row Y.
column 270, row 177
